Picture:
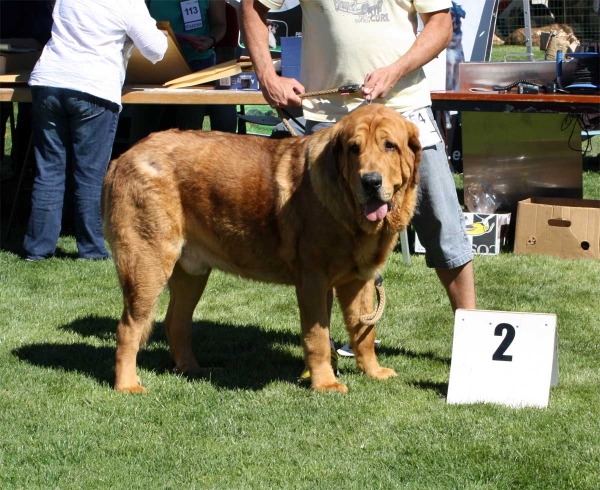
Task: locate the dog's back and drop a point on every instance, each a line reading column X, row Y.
column 211, row 197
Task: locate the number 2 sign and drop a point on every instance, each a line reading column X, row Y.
column 503, row 357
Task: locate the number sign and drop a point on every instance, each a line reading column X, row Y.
column 192, row 16
column 503, row 357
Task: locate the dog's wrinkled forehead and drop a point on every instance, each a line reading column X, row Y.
column 374, row 122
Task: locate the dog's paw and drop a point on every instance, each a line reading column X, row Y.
column 382, row 373
column 335, row 386
column 135, row 389
column 131, row 387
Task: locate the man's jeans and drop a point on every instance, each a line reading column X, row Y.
column 75, row 127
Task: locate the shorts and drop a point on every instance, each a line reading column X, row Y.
column 438, row 218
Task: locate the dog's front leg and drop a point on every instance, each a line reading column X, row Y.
column 356, row 299
column 314, row 316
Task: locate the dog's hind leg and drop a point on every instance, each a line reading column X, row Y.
column 185, row 291
column 356, row 299
column 143, row 275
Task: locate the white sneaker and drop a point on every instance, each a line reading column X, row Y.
column 346, row 351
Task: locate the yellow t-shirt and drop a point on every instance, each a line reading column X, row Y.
column 343, row 40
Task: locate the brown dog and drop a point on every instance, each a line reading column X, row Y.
column 316, row 212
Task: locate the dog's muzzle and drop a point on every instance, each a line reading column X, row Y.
column 375, row 209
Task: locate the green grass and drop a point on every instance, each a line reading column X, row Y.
column 252, row 425
column 499, row 52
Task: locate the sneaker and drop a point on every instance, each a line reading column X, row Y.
column 346, row 351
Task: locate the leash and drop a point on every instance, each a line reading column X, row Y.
column 374, row 317
column 284, row 115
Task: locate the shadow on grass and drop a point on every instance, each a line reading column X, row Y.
column 244, row 356
column 440, row 388
column 394, row 351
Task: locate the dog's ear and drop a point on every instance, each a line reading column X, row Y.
column 415, row 146
column 325, row 152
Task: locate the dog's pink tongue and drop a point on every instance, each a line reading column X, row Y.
column 376, row 210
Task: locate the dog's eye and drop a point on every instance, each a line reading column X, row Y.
column 389, row 146
column 354, row 148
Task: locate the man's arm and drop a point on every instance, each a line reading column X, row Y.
column 434, row 38
column 278, row 91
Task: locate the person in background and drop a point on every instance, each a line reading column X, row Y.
column 341, row 46
column 18, row 19
column 76, row 94
column 227, row 48
column 198, row 26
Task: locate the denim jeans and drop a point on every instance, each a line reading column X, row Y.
column 76, row 127
column 438, row 218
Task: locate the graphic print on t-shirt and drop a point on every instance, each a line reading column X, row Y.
column 366, row 10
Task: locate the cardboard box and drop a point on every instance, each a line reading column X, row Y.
column 19, row 55
column 566, row 228
column 243, row 81
column 488, row 233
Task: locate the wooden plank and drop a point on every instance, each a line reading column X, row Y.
column 210, row 74
column 19, row 76
column 142, row 71
column 206, row 71
column 203, row 95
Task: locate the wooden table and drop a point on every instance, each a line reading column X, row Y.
column 441, row 101
column 156, row 94
column 513, row 102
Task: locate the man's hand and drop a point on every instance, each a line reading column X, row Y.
column 282, row 92
column 378, row 83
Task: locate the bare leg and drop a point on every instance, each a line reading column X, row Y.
column 460, row 286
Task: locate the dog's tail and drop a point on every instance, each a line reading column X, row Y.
column 143, row 225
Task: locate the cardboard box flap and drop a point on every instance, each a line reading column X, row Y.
column 142, row 71
column 562, row 201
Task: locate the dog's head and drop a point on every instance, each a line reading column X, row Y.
column 371, row 157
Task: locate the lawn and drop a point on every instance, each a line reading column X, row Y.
column 252, row 425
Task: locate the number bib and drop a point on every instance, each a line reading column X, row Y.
column 192, row 17
column 428, row 135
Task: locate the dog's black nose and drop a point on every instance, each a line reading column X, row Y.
column 371, row 182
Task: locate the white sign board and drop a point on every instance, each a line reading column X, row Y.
column 503, row 357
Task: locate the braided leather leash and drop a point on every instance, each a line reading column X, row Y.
column 374, row 317
column 343, row 90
